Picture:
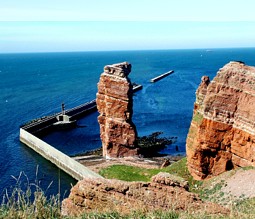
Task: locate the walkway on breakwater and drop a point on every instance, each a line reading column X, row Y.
column 45, row 124
column 161, row 76
column 61, row 160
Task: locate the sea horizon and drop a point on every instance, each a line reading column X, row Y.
column 123, row 50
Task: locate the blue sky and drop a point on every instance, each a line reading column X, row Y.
column 42, row 26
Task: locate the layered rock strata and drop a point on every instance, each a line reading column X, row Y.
column 164, row 192
column 115, row 105
column 222, row 131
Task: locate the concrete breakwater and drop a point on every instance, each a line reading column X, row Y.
column 45, row 124
column 161, row 76
column 61, row 160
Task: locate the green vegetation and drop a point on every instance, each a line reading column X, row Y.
column 161, row 215
column 246, row 207
column 209, row 190
column 131, row 173
column 180, row 169
column 248, row 168
column 198, row 118
column 128, row 173
column 31, row 202
column 207, row 193
column 27, row 200
column 133, row 215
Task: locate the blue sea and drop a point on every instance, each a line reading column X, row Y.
column 35, row 84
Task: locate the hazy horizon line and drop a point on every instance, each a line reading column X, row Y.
column 125, row 50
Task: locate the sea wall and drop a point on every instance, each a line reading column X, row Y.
column 64, row 162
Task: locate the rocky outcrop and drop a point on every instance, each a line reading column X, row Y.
column 115, row 105
column 164, row 192
column 222, row 131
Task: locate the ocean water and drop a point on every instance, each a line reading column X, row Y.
column 34, row 85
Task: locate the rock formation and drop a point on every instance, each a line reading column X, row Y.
column 222, row 131
column 115, row 105
column 164, row 192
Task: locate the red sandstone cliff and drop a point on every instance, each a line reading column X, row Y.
column 164, row 192
column 222, row 131
column 115, row 105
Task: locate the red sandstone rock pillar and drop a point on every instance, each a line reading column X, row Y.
column 115, row 105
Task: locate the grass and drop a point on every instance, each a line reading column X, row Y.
column 28, row 201
column 207, row 190
column 197, row 118
column 180, row 169
column 207, row 193
column 248, row 168
column 128, row 173
column 246, row 207
column 131, row 173
column 133, row 215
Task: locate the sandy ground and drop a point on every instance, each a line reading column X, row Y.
column 235, row 185
column 241, row 184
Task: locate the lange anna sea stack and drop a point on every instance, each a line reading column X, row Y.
column 222, row 131
column 115, row 105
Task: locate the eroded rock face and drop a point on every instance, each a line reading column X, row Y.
column 164, row 192
column 222, row 131
column 115, row 105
